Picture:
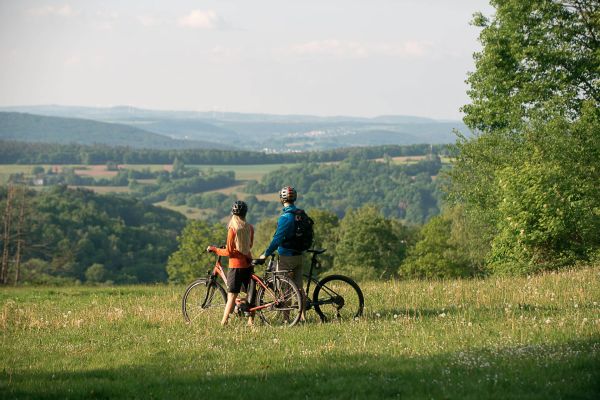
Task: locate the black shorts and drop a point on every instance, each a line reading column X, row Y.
column 238, row 279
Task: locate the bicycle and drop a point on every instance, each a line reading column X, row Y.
column 278, row 301
column 335, row 297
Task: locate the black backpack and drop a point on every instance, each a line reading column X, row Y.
column 303, row 232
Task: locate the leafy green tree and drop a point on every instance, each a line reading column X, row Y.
column 436, row 254
column 326, row 230
column 534, row 102
column 538, row 56
column 38, row 169
column 368, row 246
column 95, row 273
column 549, row 215
column 191, row 260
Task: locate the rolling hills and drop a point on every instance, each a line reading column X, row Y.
column 277, row 133
column 38, row 128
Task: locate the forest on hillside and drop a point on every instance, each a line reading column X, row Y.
column 62, row 235
column 18, row 152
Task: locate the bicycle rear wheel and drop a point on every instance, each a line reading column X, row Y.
column 338, row 298
column 203, row 298
column 280, row 304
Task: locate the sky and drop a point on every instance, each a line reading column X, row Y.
column 317, row 57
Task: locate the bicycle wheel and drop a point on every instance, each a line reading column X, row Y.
column 280, row 304
column 338, row 298
column 203, row 297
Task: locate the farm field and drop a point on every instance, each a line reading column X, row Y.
column 242, row 172
column 529, row 338
column 189, row 212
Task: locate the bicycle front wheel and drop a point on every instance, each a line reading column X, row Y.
column 338, row 298
column 203, row 298
column 280, row 303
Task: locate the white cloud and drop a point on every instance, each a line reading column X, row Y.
column 64, row 10
column 199, row 19
column 353, row 49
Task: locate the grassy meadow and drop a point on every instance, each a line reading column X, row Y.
column 532, row 337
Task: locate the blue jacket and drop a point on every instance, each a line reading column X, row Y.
column 285, row 230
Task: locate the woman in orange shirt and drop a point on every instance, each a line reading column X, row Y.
column 240, row 236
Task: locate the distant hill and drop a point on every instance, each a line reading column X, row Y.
column 38, row 128
column 266, row 131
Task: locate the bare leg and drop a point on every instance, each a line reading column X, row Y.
column 303, row 296
column 228, row 307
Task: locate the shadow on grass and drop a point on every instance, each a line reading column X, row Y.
column 533, row 372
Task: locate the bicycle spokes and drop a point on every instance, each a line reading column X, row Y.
column 338, row 298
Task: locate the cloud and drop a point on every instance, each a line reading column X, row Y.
column 354, row 49
column 199, row 19
column 64, row 10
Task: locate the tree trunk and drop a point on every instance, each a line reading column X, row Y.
column 20, row 241
column 6, row 236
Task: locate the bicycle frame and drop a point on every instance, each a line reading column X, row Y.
column 310, row 278
column 218, row 271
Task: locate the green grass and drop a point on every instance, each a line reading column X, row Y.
column 534, row 338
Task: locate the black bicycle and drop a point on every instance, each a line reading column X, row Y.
column 335, row 297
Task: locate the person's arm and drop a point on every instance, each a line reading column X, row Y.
column 229, row 247
column 283, row 225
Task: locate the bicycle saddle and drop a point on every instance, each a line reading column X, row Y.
column 316, row 251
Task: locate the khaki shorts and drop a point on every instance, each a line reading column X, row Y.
column 294, row 265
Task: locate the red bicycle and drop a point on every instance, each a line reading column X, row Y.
column 277, row 302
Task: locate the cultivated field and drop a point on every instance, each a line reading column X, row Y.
column 533, row 338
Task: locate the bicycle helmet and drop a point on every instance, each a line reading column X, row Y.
column 239, row 208
column 288, row 194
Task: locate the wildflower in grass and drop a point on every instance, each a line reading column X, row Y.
column 378, row 315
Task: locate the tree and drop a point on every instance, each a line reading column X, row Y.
column 191, row 259
column 368, row 246
column 549, row 215
column 535, row 94
column 437, row 254
column 38, row 169
column 539, row 56
column 326, row 230
column 95, row 273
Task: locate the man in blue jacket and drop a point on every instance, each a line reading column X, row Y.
column 289, row 259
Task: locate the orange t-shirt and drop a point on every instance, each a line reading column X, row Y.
column 236, row 259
